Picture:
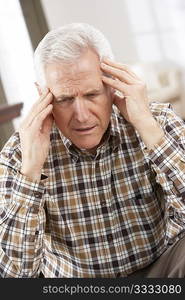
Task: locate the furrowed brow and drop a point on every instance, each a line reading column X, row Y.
column 63, row 97
column 66, row 96
column 94, row 91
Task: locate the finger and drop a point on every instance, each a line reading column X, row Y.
column 37, row 123
column 120, row 67
column 42, row 96
column 120, row 102
column 47, row 124
column 120, row 74
column 117, row 97
column 44, row 101
column 116, row 84
column 29, row 116
column 38, row 107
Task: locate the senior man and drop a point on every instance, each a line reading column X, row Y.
column 92, row 184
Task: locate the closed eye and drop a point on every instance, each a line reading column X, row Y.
column 64, row 99
column 92, row 95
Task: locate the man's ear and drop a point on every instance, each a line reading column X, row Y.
column 38, row 88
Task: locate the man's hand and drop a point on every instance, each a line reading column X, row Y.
column 35, row 136
column 133, row 100
column 133, row 104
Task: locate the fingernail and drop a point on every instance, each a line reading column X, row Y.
column 107, row 58
column 45, row 90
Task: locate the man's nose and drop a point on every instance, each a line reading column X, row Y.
column 81, row 110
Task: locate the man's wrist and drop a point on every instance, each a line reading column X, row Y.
column 150, row 131
column 32, row 174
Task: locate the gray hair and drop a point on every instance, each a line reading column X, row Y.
column 67, row 43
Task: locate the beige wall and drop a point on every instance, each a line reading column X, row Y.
column 110, row 16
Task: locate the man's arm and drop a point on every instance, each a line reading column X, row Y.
column 168, row 155
column 168, row 161
column 164, row 141
column 35, row 136
column 168, row 139
column 22, row 218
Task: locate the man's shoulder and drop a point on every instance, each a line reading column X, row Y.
column 165, row 113
column 162, row 112
column 157, row 109
column 10, row 155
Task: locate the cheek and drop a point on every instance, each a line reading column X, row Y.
column 105, row 112
column 60, row 117
column 55, row 113
column 58, row 111
column 107, row 105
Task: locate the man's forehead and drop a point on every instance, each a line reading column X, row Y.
column 75, row 90
column 88, row 66
column 82, row 84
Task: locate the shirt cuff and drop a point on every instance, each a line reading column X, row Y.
column 27, row 192
column 167, row 155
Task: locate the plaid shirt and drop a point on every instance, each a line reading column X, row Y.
column 105, row 215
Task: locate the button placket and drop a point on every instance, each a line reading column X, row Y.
column 110, row 237
column 93, row 177
column 103, row 203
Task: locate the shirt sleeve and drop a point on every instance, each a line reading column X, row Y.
column 22, row 218
column 168, row 161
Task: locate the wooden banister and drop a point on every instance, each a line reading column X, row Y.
column 9, row 112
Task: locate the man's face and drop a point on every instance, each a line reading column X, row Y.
column 82, row 103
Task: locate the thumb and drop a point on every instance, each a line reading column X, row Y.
column 119, row 99
column 47, row 124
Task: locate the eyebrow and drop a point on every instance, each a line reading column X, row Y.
column 64, row 96
column 94, row 91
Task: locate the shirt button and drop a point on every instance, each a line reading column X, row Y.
column 160, row 159
column 109, row 237
column 103, row 203
column 37, row 195
column 34, row 210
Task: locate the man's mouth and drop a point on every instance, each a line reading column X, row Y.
column 85, row 129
